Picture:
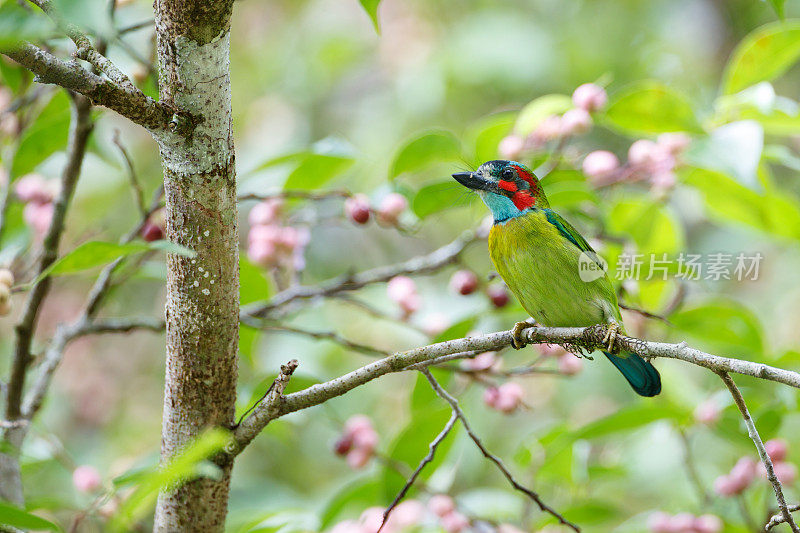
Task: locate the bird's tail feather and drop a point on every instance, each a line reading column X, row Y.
column 642, row 375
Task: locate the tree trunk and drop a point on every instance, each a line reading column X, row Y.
column 202, row 311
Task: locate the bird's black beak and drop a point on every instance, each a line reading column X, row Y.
column 472, row 180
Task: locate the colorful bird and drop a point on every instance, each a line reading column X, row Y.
column 557, row 277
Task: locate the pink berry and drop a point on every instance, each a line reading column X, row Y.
column 86, row 478
column 509, row 397
column 38, row 217
column 707, row 412
column 151, row 232
column 600, row 166
column 366, row 439
column 435, row 323
column 511, row 147
column 357, row 208
column 682, row 523
column 441, row 504
column 407, row 513
column 357, row 423
column 490, row 397
column 548, row 129
column 777, row 449
column 266, row 212
column 569, row 365
column 785, row 472
column 551, row 350
column 288, row 238
column 674, row 143
column 454, row 522
column 343, row 445
column 642, row 152
column 391, row 207
column 262, row 253
column 400, row 287
column 743, row 472
column 660, row 522
column 410, row 304
column 663, row 180
column 576, row 121
column 590, row 97
column 707, row 523
column 34, row 188
column 464, row 282
column 264, row 234
column 498, row 295
column 371, row 519
column 481, row 362
column 726, row 486
column 358, row 458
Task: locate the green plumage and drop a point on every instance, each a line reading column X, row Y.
column 539, row 256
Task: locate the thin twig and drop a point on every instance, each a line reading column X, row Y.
column 691, row 469
column 432, row 262
column 779, row 519
column 321, row 335
column 434, row 444
column 296, row 194
column 493, row 458
column 762, row 452
column 135, row 185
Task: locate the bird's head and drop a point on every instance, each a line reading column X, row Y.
column 508, row 188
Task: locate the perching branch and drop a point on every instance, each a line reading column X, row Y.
column 762, row 452
column 437, row 259
column 443, row 394
column 589, row 338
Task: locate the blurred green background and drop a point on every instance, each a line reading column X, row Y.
column 315, row 79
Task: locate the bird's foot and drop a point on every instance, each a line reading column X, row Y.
column 610, row 339
column 516, row 335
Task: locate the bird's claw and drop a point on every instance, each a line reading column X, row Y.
column 610, row 339
column 516, row 335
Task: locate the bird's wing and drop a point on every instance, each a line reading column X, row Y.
column 568, row 232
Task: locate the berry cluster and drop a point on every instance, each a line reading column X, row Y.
column 38, row 194
column 661, row 522
column 357, row 208
column 271, row 244
column 746, row 469
column 358, row 441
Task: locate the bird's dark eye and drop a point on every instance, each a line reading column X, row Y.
column 509, row 174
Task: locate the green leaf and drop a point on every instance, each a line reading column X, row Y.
column 47, row 135
column 371, row 7
column 20, row 24
column 539, row 109
column 253, row 285
column 763, row 55
column 777, row 5
column 486, row 134
column 97, row 253
column 354, row 497
column 436, row 197
column 423, row 149
column 14, row 517
column 650, row 107
column 456, row 331
column 628, row 419
column 734, row 149
column 315, row 170
column 724, row 326
column 185, row 466
column 654, row 229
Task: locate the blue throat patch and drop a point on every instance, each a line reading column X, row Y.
column 502, row 208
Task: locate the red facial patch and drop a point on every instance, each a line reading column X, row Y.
column 507, row 185
column 524, row 174
column 523, row 200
